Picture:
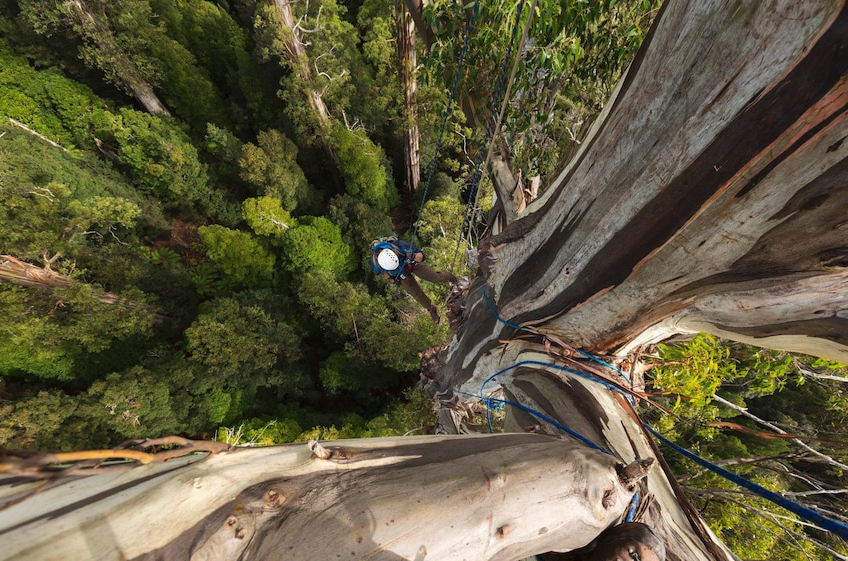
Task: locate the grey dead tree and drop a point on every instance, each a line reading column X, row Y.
column 709, row 196
column 100, row 47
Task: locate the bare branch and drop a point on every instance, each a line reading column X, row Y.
column 772, row 426
column 774, row 517
column 42, row 192
column 112, row 231
column 816, row 375
column 41, row 136
column 816, row 492
column 42, row 465
column 299, row 27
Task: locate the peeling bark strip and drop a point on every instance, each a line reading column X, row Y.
column 502, row 496
column 733, row 151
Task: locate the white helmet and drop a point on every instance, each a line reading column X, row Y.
column 388, row 260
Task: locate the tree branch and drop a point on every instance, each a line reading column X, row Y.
column 778, row 430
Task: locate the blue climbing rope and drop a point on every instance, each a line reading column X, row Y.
column 490, row 126
column 496, row 404
column 519, row 328
column 456, row 78
column 557, row 367
column 633, row 504
column 807, row 514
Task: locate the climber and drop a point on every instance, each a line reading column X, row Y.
column 398, row 261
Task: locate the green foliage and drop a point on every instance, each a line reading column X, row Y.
column 316, row 244
column 266, row 216
column 222, row 143
column 272, row 169
column 56, row 203
column 187, row 88
column 573, row 57
column 132, row 404
column 216, row 44
column 379, row 100
column 350, row 314
column 399, row 347
column 438, row 230
column 333, row 374
column 54, row 336
column 362, row 167
column 159, row 157
column 740, row 525
column 256, row 432
column 360, row 224
column 240, row 343
column 761, row 382
column 156, row 360
column 83, row 318
column 695, row 370
column 114, row 37
column 238, row 255
column 413, row 414
column 36, row 422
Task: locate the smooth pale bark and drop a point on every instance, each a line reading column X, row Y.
column 498, row 497
column 408, row 67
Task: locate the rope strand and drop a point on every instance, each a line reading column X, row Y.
column 492, row 125
column 460, row 64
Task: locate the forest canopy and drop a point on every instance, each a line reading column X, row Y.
column 207, row 199
column 199, row 182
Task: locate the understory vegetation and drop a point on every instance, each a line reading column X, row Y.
column 776, row 418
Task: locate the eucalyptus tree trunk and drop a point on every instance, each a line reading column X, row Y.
column 709, row 196
column 499, row 497
column 299, row 60
column 111, row 58
column 408, row 58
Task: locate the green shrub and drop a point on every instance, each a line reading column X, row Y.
column 362, row 164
